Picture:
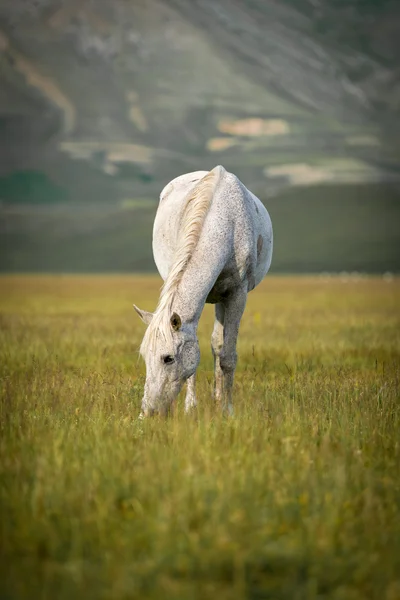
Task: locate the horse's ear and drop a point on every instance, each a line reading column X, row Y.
column 176, row 322
column 144, row 315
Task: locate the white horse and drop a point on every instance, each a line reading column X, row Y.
column 212, row 242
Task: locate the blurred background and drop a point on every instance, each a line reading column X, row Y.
column 102, row 102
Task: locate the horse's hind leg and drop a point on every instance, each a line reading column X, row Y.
column 234, row 307
column 217, row 342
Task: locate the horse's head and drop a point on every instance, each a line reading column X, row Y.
column 171, row 352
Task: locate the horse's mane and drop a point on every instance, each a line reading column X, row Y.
column 194, row 212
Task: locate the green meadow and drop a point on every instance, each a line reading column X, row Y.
column 297, row 496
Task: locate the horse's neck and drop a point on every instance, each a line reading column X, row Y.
column 190, row 297
column 198, row 280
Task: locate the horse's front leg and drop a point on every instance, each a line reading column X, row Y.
column 190, row 400
column 233, row 311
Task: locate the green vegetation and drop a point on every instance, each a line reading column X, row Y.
column 30, row 187
column 319, row 228
column 337, row 228
column 296, row 496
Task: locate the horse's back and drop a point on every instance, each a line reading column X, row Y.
column 236, row 217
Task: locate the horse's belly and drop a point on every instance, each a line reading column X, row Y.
column 218, row 293
column 229, row 280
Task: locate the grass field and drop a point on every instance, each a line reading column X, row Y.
column 295, row 497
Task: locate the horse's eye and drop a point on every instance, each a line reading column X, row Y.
column 168, row 359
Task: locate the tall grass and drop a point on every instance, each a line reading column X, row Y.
column 297, row 496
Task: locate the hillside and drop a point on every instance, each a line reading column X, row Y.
column 143, row 90
column 322, row 228
column 104, row 102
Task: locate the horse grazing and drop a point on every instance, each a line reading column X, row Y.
column 212, row 242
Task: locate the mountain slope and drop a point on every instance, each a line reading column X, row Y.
column 103, row 102
column 140, row 91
